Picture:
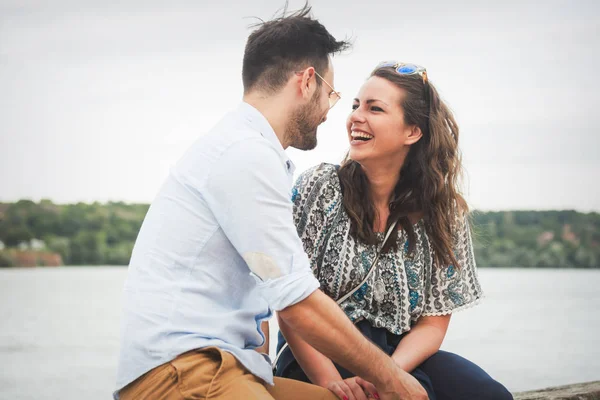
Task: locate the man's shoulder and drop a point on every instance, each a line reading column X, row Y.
column 231, row 130
column 229, row 135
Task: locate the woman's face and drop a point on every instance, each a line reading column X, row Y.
column 376, row 128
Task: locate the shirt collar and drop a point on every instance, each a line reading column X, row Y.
column 258, row 122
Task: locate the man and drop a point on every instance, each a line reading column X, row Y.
column 218, row 251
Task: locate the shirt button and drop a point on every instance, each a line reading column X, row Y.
column 288, row 164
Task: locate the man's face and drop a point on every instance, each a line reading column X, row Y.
column 302, row 130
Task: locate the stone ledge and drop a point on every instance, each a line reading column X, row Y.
column 578, row 391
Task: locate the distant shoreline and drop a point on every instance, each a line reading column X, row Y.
column 49, row 234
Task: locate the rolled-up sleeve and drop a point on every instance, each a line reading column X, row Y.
column 248, row 190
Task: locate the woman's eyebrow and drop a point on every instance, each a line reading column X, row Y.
column 369, row 101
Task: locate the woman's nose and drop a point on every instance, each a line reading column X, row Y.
column 357, row 115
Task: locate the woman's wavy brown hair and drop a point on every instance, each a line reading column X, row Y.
column 429, row 178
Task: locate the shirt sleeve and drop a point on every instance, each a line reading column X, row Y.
column 248, row 190
column 315, row 196
column 452, row 288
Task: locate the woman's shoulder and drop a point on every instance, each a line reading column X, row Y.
column 320, row 182
column 319, row 176
column 321, row 171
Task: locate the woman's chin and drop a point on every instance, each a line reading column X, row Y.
column 356, row 154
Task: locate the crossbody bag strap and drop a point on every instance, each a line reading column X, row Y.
column 351, row 292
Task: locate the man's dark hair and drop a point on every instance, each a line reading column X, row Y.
column 286, row 44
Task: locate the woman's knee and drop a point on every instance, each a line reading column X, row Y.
column 496, row 391
column 455, row 377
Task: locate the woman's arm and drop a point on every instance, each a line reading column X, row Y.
column 319, row 369
column 421, row 342
column 264, row 326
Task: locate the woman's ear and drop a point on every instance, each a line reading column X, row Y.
column 414, row 135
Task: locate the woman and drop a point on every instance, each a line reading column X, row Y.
column 403, row 165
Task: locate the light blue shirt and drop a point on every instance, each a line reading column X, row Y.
column 217, row 252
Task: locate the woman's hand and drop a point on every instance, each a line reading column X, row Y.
column 353, row 389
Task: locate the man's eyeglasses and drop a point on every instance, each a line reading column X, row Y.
column 334, row 96
column 405, row 68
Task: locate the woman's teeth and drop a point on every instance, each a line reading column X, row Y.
column 361, row 135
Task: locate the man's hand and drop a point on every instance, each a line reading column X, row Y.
column 403, row 387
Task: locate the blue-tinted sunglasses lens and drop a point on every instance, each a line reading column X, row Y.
column 407, row 69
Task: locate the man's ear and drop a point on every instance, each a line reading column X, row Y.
column 307, row 84
column 414, row 135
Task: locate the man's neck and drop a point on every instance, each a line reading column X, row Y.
column 274, row 108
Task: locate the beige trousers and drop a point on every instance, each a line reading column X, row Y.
column 214, row 374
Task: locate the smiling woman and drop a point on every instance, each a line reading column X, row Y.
column 400, row 126
column 401, row 288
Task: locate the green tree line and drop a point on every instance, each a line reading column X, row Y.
column 104, row 234
column 537, row 239
column 83, row 234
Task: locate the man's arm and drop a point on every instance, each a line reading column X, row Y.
column 321, row 323
column 318, row 368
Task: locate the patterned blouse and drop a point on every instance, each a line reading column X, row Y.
column 413, row 285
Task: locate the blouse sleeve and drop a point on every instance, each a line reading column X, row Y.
column 452, row 288
column 315, row 194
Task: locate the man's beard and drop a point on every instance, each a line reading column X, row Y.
column 302, row 128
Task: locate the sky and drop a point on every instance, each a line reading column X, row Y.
column 98, row 99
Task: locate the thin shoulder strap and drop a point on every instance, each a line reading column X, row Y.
column 350, row 293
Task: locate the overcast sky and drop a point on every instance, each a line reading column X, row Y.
column 98, row 99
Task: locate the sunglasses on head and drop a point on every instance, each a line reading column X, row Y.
column 404, row 68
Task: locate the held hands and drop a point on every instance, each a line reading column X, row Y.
column 353, row 389
column 403, row 387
